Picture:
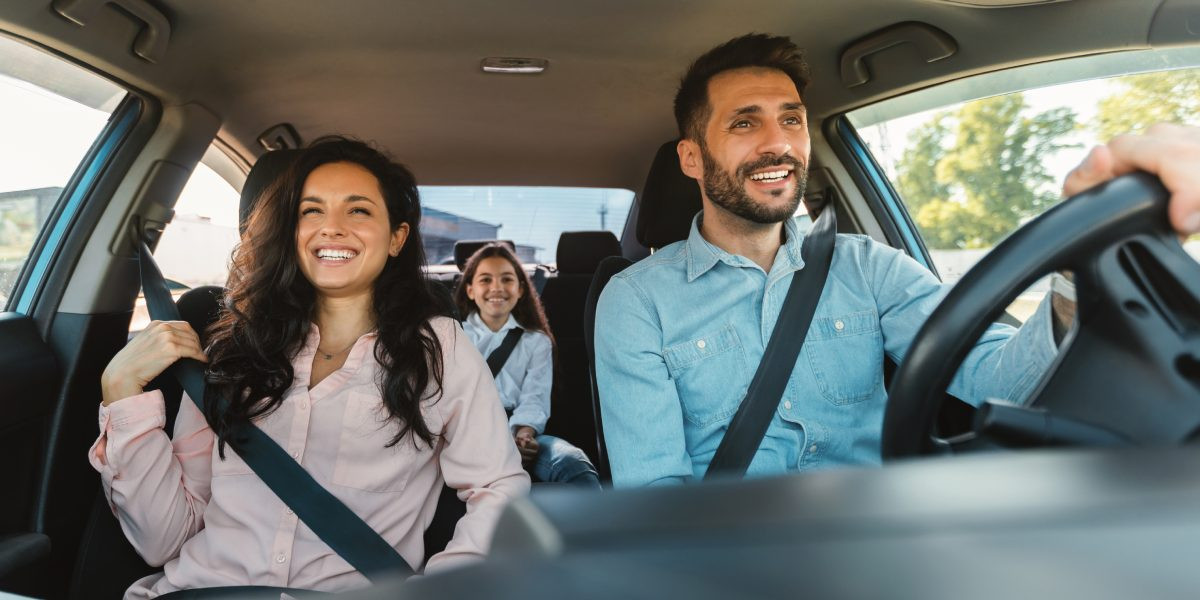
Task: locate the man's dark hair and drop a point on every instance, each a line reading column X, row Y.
column 692, row 109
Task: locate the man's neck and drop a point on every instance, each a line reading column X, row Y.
column 756, row 241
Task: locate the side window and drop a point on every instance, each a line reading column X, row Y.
column 973, row 171
column 196, row 246
column 50, row 114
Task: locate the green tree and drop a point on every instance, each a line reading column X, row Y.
column 1147, row 98
column 971, row 177
column 915, row 170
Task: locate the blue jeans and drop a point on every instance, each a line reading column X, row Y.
column 559, row 461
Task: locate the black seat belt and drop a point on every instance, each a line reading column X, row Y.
column 499, row 356
column 750, row 423
column 345, row 532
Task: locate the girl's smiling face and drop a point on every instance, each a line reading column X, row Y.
column 495, row 289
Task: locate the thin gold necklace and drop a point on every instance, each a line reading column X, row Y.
column 328, row 356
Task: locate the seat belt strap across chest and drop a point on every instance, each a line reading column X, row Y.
column 753, row 417
column 499, row 356
column 331, row 520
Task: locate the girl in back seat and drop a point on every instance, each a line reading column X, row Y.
column 506, row 322
column 331, row 343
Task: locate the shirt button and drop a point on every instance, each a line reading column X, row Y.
column 812, row 448
column 701, row 344
column 839, row 325
column 303, row 405
column 296, row 455
column 280, row 558
column 290, row 512
column 787, row 404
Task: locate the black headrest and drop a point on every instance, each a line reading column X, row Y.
column 265, row 170
column 582, row 251
column 463, row 249
column 200, row 307
column 669, row 201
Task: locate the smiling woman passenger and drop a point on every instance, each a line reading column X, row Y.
column 330, row 342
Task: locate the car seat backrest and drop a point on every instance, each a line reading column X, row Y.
column 564, row 297
column 266, row 169
column 463, row 249
column 668, row 202
column 607, row 268
column 580, row 252
column 664, row 212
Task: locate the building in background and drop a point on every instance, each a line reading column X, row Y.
column 21, row 216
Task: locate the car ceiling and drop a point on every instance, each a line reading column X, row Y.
column 406, row 74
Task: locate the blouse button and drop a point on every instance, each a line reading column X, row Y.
column 701, row 344
column 280, row 558
column 839, row 325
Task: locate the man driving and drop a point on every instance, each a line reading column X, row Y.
column 688, row 326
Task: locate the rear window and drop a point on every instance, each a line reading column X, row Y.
column 532, row 217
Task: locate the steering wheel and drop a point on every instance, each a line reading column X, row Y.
column 1128, row 371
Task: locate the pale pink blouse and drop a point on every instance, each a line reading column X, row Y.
column 213, row 522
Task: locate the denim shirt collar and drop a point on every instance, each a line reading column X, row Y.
column 702, row 255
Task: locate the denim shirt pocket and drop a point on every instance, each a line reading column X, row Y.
column 845, row 353
column 709, row 371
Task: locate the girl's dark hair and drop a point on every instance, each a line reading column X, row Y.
column 692, row 109
column 528, row 311
column 269, row 304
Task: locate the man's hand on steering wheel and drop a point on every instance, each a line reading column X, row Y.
column 1129, row 373
column 1172, row 152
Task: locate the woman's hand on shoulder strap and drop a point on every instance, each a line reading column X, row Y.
column 147, row 355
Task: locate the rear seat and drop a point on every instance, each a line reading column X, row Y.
column 579, row 253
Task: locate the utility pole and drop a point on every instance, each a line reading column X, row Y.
column 603, row 213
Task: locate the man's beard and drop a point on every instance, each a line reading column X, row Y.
column 728, row 191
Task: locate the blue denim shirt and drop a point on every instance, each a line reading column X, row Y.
column 680, row 334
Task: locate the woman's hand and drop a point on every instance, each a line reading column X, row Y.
column 527, row 445
column 149, row 353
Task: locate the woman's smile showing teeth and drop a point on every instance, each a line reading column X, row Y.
column 335, row 255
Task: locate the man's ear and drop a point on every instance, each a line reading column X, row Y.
column 690, row 160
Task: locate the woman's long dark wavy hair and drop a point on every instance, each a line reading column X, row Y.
column 270, row 304
column 528, row 311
